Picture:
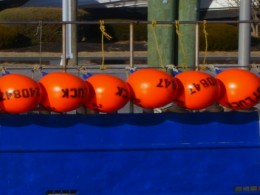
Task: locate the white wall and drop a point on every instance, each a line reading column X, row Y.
column 216, row 4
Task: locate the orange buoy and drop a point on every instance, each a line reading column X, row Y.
column 240, row 89
column 63, row 92
column 108, row 93
column 151, row 88
column 197, row 90
column 18, row 93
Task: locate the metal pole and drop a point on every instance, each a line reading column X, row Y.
column 64, row 48
column 244, row 33
column 131, row 106
column 188, row 11
column 65, row 18
column 73, row 33
column 131, row 45
column 69, row 14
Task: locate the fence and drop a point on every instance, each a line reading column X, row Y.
column 131, row 30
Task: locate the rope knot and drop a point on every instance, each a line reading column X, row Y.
column 154, row 23
column 103, row 30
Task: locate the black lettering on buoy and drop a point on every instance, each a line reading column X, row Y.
column 160, row 83
column 17, row 93
column 250, row 99
column 32, row 92
column 212, row 81
column 191, row 90
column 81, row 92
column 74, row 93
column 197, row 86
column 164, row 83
column 65, row 93
column 8, row 95
column 204, row 83
column 242, row 103
column 257, row 96
column 119, row 91
column 122, row 92
column 167, row 83
column 38, row 93
column 125, row 94
column 25, row 93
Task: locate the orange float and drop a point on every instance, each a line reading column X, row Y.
column 18, row 93
column 197, row 90
column 239, row 89
column 107, row 93
column 62, row 92
column 151, row 88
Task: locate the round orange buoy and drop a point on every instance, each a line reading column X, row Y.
column 108, row 93
column 240, row 89
column 62, row 92
column 18, row 93
column 197, row 90
column 151, row 88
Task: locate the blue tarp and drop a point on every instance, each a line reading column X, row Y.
column 170, row 153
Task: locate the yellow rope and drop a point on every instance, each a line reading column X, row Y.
column 35, row 68
column 256, row 67
column 206, row 41
column 154, row 23
column 177, row 25
column 104, row 34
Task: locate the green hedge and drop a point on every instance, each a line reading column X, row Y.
column 50, row 32
column 221, row 37
column 121, row 31
column 9, row 37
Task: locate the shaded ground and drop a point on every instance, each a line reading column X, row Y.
column 118, row 49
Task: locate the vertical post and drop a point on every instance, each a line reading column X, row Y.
column 74, row 37
column 65, row 18
column 188, row 11
column 244, row 34
column 131, row 49
column 131, row 63
column 161, row 10
column 64, row 48
column 69, row 14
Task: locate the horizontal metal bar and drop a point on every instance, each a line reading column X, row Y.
column 110, row 66
column 130, row 22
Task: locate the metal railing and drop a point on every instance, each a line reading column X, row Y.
column 131, row 24
column 131, row 34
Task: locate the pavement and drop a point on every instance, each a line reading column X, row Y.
column 139, row 56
